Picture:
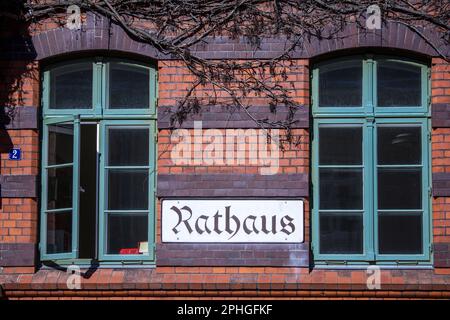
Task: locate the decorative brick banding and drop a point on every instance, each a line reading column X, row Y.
column 18, row 186
column 23, row 118
column 218, row 117
column 226, row 254
column 232, row 185
column 17, row 254
column 95, row 35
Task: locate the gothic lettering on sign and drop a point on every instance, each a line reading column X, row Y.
column 232, row 221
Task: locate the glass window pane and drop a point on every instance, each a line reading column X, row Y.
column 59, row 188
column 60, row 144
column 400, row 233
column 129, row 86
column 341, row 233
column 399, row 188
column 341, row 188
column 71, row 86
column 128, row 146
column 59, row 232
column 340, row 145
column 340, row 84
column 126, row 233
column 128, row 189
column 398, row 84
column 399, row 145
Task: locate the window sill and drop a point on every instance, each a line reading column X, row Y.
column 88, row 264
column 381, row 266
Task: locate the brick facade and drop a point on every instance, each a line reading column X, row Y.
column 202, row 271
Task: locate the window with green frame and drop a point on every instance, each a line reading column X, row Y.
column 98, row 161
column 370, row 161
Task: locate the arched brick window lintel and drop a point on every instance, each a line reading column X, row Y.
column 98, row 34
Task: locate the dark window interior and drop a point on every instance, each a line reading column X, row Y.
column 341, row 233
column 88, row 191
column 71, row 86
column 398, row 84
column 340, row 84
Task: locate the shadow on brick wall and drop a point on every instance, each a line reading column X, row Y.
column 16, row 54
column 93, row 267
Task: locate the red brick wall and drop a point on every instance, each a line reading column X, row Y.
column 440, row 81
column 293, row 159
column 19, row 216
column 19, row 88
column 28, row 140
column 440, row 145
column 18, row 220
column 174, row 80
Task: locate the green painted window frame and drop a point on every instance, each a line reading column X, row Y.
column 103, row 212
column 426, row 188
column 104, row 117
column 75, row 183
column 100, row 84
column 369, row 91
column 366, row 94
column 125, row 112
column 370, row 117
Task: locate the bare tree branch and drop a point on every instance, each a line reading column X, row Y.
column 175, row 27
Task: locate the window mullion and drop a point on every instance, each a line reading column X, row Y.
column 98, row 84
column 370, row 151
column 76, row 188
column 368, row 86
column 369, row 189
column 426, row 190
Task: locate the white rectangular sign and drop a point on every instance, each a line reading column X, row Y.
column 232, row 221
